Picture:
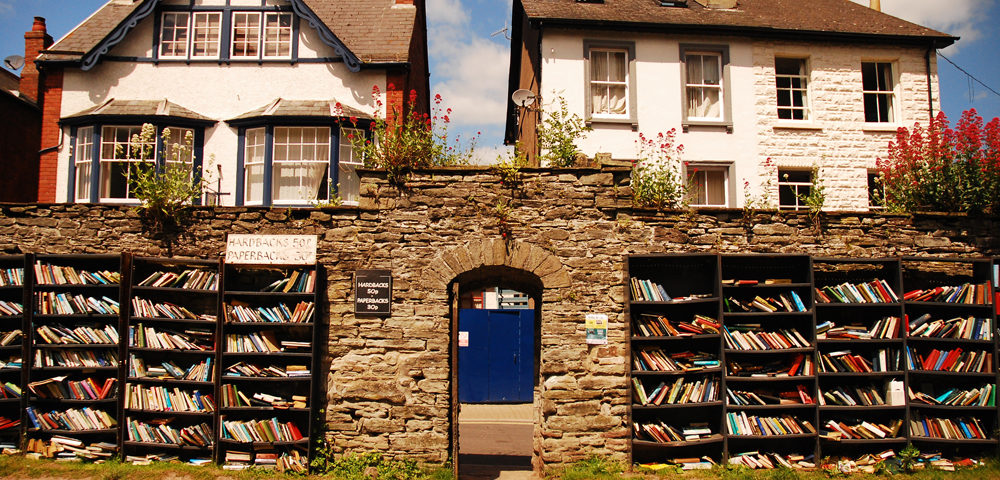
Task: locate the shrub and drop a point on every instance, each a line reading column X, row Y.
column 557, row 135
column 165, row 193
column 657, row 175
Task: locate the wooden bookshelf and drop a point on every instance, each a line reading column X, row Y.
column 262, row 368
column 14, row 351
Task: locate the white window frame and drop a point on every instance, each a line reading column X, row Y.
column 803, row 78
column 186, row 43
column 194, row 35
column 322, row 138
column 290, row 31
column 83, row 157
column 879, row 186
column 609, row 83
column 704, row 86
column 348, row 159
column 891, row 103
column 249, row 148
column 693, row 168
column 258, row 33
column 127, row 149
column 799, row 205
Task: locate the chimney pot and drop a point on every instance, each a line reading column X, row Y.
column 39, row 25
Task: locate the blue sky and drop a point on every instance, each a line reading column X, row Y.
column 469, row 66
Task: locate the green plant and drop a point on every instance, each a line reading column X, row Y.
column 165, row 194
column 502, row 212
column 908, row 458
column 508, row 167
column 816, row 197
column 594, row 467
column 558, row 133
column 657, row 177
column 753, row 202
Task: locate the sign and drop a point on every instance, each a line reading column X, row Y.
column 597, row 329
column 244, row 249
column 373, row 293
column 463, row 339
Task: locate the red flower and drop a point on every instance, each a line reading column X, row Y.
column 354, row 119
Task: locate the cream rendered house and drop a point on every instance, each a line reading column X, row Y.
column 799, row 82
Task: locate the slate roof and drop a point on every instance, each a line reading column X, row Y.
column 163, row 108
column 830, row 18
column 374, row 30
column 303, row 108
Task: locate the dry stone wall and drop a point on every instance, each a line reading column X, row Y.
column 389, row 379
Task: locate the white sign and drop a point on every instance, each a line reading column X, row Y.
column 245, row 249
column 463, row 339
column 597, row 328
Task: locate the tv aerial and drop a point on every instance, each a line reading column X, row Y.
column 14, row 62
column 505, row 31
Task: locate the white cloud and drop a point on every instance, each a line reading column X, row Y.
column 959, row 18
column 6, row 7
column 447, row 12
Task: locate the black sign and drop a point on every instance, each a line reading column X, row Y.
column 373, row 293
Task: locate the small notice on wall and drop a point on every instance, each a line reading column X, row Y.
column 463, row 339
column 597, row 329
column 373, row 293
column 243, row 249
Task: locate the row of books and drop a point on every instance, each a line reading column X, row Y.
column 254, row 431
column 968, row 293
column 10, row 390
column 164, row 339
column 647, row 325
column 158, row 457
column 797, row 366
column 53, row 303
column 968, row 328
column 955, row 360
column 83, row 334
column 682, row 391
column 12, row 362
column 799, row 396
column 739, row 423
column 192, row 279
column 198, row 372
column 243, row 369
column 149, row 309
column 867, row 463
column 232, row 397
column 654, row 359
column 7, row 423
column 884, row 328
column 46, row 274
column 86, row 389
column 196, row 435
column 255, row 342
column 8, row 338
column 745, row 337
column 883, row 360
column 861, row 430
column 863, row 395
column 648, row 291
column 875, row 291
column 951, row 428
column 302, row 313
column 11, row 277
column 661, row 432
column 768, row 461
column 76, row 358
column 299, row 281
column 163, row 399
column 292, row 461
column 11, row 309
column 68, row 448
column 984, row 396
column 784, row 302
column 85, row 418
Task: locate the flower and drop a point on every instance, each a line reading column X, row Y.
column 354, row 119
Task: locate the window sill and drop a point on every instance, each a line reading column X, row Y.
column 613, row 121
column 881, row 127
column 686, row 126
column 797, row 125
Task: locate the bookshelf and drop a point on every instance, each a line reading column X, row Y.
column 770, row 374
column 171, row 362
column 13, row 346
column 267, row 388
column 675, row 352
column 951, row 349
column 75, row 322
column 860, row 341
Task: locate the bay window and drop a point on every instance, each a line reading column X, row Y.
column 83, row 156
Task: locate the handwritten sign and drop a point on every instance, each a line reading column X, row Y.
column 373, row 293
column 242, row 249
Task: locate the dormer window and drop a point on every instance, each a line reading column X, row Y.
column 249, row 34
column 186, row 35
column 252, row 35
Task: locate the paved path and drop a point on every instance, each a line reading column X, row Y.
column 495, row 442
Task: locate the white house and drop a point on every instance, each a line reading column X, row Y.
column 265, row 88
column 800, row 82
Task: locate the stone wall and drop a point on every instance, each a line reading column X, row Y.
column 389, row 379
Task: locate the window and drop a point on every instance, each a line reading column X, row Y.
column 207, row 31
column 246, row 35
column 704, row 86
column 174, row 35
column 121, row 160
column 709, row 185
column 277, row 35
column 253, row 161
column 83, row 157
column 878, row 87
column 876, row 191
column 793, row 186
column 609, row 82
column 301, row 164
column 253, row 35
column 349, row 184
column 792, row 84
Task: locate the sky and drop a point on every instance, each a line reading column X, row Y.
column 469, row 58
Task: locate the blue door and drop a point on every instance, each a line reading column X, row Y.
column 497, row 366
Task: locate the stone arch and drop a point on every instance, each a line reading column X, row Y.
column 497, row 253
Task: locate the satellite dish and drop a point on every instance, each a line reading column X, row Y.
column 523, row 97
column 14, row 62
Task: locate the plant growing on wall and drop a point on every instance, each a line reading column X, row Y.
column 165, row 194
column 657, row 174
column 410, row 140
column 944, row 169
column 558, row 133
column 754, row 202
column 815, row 199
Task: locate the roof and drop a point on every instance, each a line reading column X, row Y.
column 833, row 18
column 302, row 108
column 372, row 30
column 9, row 82
column 145, row 108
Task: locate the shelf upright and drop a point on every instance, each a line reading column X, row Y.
column 687, row 322
column 268, row 366
column 173, row 383
column 13, row 349
column 859, row 311
column 75, row 300
column 770, row 368
column 951, row 348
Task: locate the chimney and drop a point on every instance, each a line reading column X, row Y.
column 35, row 41
column 876, row 5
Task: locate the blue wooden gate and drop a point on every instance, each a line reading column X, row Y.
column 498, row 364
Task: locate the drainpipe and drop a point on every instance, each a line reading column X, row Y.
column 876, row 5
column 930, row 84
